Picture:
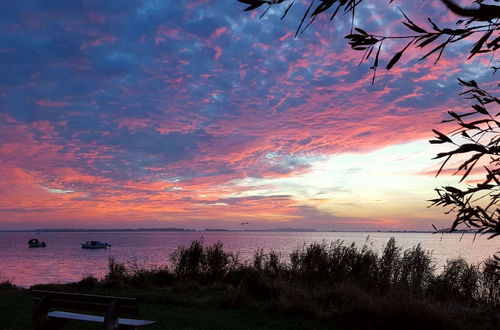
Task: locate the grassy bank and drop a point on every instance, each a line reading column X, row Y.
column 172, row 311
column 317, row 286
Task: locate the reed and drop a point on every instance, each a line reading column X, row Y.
column 202, row 261
column 6, row 285
column 316, row 266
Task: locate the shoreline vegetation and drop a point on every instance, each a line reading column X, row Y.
column 320, row 285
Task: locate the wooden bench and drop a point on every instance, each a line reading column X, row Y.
column 45, row 318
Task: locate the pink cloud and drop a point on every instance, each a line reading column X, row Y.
column 51, row 104
column 218, row 32
column 133, row 124
column 218, row 52
column 96, row 17
column 285, row 36
column 98, row 42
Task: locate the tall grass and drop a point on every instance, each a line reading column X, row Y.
column 198, row 260
column 330, row 280
column 6, row 285
column 416, row 270
column 490, row 282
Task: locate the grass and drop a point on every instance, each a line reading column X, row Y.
column 16, row 307
column 321, row 285
column 172, row 311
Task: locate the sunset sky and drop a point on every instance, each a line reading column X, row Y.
column 196, row 114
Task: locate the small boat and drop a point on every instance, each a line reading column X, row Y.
column 35, row 243
column 95, row 245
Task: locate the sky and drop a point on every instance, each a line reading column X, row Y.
column 196, row 114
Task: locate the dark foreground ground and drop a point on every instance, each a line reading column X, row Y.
column 172, row 311
column 211, row 308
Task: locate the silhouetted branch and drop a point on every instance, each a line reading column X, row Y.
column 475, row 206
column 481, row 13
column 482, row 21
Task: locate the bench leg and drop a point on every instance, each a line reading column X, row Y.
column 40, row 317
column 111, row 317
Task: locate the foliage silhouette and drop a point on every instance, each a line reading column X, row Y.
column 477, row 137
column 483, row 21
column 310, row 268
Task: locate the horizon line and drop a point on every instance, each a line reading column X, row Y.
column 178, row 229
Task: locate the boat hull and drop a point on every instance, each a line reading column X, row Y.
column 93, row 247
column 35, row 243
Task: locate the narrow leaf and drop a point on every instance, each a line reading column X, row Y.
column 428, row 40
column 303, row 18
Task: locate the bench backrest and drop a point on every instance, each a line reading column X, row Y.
column 87, row 302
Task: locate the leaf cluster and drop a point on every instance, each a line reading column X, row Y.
column 478, row 139
column 481, row 23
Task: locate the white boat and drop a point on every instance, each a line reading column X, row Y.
column 35, row 243
column 94, row 245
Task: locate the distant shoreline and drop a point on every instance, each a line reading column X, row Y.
column 288, row 230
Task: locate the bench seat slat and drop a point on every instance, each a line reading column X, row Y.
column 84, row 297
column 97, row 319
column 88, row 306
column 76, row 316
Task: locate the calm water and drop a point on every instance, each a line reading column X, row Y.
column 63, row 260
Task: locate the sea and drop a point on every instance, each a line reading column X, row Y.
column 63, row 260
